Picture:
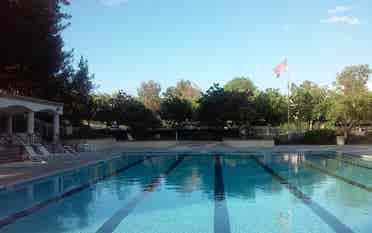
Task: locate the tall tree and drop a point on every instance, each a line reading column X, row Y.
column 186, row 90
column 175, row 110
column 31, row 47
column 149, row 95
column 81, row 88
column 82, row 80
column 352, row 101
column 218, row 106
column 309, row 104
column 271, row 106
column 301, row 105
column 134, row 114
column 240, row 84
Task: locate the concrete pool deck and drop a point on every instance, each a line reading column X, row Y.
column 16, row 173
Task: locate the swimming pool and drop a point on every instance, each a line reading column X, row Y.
column 168, row 193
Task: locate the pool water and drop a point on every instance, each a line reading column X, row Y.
column 219, row 193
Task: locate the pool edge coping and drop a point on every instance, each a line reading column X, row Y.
column 116, row 154
column 13, row 185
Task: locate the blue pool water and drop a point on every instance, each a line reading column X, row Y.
column 216, row 193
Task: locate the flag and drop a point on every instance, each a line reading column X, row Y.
column 282, row 67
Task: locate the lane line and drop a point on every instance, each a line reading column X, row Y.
column 348, row 181
column 343, row 160
column 31, row 210
column 221, row 214
column 324, row 214
column 113, row 222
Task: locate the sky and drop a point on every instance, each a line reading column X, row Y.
column 212, row 41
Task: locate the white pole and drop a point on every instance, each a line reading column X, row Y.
column 10, row 125
column 288, row 110
column 56, row 127
column 30, row 122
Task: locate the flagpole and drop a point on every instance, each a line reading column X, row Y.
column 279, row 69
column 288, row 107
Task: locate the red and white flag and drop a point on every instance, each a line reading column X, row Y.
column 281, row 68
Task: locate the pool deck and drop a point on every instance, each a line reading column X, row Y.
column 15, row 173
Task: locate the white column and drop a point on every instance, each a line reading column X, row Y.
column 30, row 122
column 10, row 125
column 56, row 127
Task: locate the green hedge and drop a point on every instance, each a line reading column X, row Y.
column 88, row 133
column 314, row 137
column 367, row 139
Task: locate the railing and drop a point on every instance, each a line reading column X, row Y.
column 26, row 139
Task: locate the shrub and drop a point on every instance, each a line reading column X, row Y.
column 367, row 139
column 314, row 137
column 320, row 137
column 88, row 133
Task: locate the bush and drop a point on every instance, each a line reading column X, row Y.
column 88, row 133
column 366, row 139
column 314, row 137
column 120, row 135
column 320, row 137
column 143, row 134
column 201, row 134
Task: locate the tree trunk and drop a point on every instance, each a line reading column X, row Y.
column 346, row 132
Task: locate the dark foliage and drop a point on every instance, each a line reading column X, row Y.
column 31, row 39
column 175, row 110
column 80, row 86
column 314, row 137
column 218, row 106
column 271, row 108
column 366, row 139
column 129, row 111
column 202, row 134
column 89, row 133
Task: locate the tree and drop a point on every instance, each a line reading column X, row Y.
column 81, row 87
column 175, row 110
column 218, row 106
column 309, row 104
column 210, row 110
column 149, row 95
column 82, row 80
column 301, row 105
column 322, row 100
column 185, row 90
column 240, row 84
column 133, row 113
column 351, row 101
column 31, row 48
column 271, row 107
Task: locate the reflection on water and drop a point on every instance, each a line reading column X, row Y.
column 242, row 177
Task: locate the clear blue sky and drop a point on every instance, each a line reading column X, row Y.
column 206, row 41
